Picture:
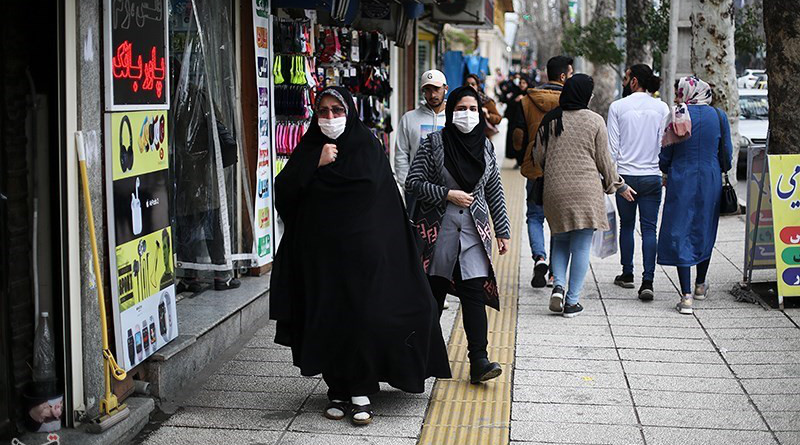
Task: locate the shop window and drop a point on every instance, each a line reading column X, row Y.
column 212, row 233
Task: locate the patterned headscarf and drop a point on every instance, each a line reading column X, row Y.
column 688, row 91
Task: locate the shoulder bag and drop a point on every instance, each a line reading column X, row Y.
column 729, row 204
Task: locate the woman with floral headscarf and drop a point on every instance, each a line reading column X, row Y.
column 696, row 150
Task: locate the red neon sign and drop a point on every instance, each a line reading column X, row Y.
column 149, row 75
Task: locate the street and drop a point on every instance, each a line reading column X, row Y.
column 624, row 372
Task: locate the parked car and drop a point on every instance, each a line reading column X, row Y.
column 749, row 78
column 753, row 121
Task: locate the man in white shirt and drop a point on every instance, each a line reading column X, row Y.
column 415, row 126
column 635, row 127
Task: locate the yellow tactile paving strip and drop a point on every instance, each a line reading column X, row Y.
column 465, row 414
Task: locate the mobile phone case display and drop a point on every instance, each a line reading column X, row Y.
column 140, row 235
column 358, row 60
column 263, row 215
column 293, row 72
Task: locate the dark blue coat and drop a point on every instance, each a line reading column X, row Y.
column 694, row 189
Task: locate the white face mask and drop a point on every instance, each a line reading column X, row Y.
column 466, row 120
column 333, row 128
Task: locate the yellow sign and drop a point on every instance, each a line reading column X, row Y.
column 138, row 143
column 145, row 267
column 784, row 174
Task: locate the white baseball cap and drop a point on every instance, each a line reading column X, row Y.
column 433, row 77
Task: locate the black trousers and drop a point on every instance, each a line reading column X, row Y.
column 343, row 389
column 473, row 309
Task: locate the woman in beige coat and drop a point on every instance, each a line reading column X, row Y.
column 572, row 148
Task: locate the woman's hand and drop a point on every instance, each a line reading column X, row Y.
column 664, row 181
column 628, row 194
column 503, row 245
column 460, row 198
column 328, row 155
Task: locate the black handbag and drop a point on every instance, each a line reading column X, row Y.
column 729, row 203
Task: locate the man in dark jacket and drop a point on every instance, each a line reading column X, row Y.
column 535, row 104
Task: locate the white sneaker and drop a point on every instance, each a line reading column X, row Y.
column 684, row 306
column 701, row 291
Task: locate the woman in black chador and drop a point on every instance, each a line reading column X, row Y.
column 348, row 289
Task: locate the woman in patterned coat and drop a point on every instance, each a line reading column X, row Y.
column 457, row 185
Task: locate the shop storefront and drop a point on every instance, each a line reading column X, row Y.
column 187, row 110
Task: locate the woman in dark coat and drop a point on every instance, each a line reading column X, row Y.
column 456, row 181
column 348, row 290
column 514, row 114
column 692, row 161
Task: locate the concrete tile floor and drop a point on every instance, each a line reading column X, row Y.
column 623, row 372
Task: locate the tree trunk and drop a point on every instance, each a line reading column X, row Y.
column 605, row 77
column 563, row 10
column 636, row 49
column 714, row 60
column 782, row 26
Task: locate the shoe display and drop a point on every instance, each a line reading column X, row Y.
column 646, row 291
column 540, row 273
column 572, row 310
column 701, row 291
column 685, row 305
column 624, row 280
column 557, row 299
column 482, row 370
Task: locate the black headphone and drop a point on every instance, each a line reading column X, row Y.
column 126, row 153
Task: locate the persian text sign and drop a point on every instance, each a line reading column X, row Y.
column 784, row 174
column 136, row 69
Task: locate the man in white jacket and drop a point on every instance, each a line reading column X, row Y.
column 417, row 124
column 635, row 127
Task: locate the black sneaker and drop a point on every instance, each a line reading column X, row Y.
column 646, row 291
column 557, row 299
column 572, row 310
column 540, row 273
column 625, row 280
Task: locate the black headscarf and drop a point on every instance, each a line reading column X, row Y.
column 464, row 152
column 575, row 95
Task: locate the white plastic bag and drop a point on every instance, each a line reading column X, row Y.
column 604, row 244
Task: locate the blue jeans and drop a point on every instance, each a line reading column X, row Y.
column 573, row 249
column 648, row 200
column 535, row 219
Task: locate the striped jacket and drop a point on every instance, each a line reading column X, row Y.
column 426, row 181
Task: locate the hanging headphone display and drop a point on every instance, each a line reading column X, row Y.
column 126, row 151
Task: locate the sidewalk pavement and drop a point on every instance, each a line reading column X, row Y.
column 629, row 372
column 623, row 372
